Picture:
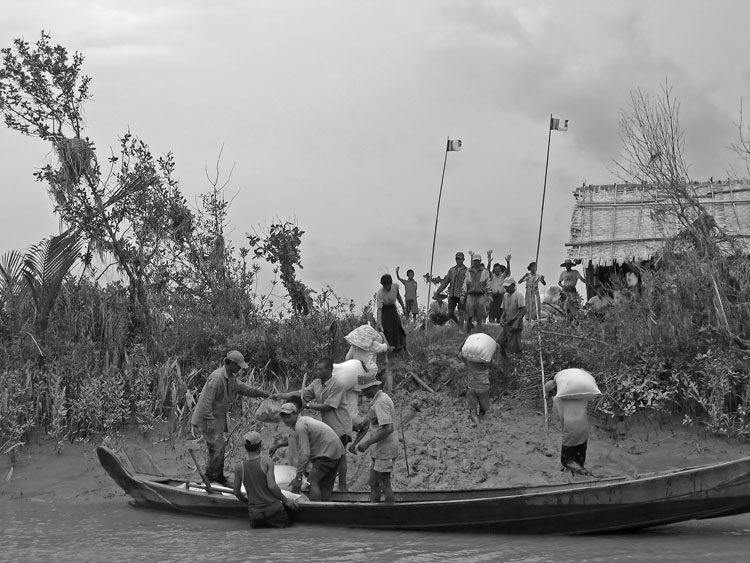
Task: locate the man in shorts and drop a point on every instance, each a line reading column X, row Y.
column 382, row 438
column 455, row 279
column 477, row 383
column 474, row 293
column 317, row 443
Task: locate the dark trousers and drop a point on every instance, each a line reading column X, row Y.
column 215, row 460
column 573, row 454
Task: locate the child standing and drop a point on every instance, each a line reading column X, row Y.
column 533, row 302
column 410, row 294
column 477, row 352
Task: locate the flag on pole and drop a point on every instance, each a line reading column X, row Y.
column 454, row 145
column 556, row 124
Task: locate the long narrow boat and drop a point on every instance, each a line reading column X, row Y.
column 578, row 508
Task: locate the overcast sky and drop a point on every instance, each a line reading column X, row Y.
column 336, row 113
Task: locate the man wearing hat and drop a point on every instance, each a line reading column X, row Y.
column 210, row 414
column 382, row 438
column 327, row 395
column 514, row 308
column 569, row 277
column 439, row 310
column 317, row 443
column 455, row 279
column 266, row 502
column 475, row 292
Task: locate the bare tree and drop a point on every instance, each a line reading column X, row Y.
column 653, row 154
column 742, row 147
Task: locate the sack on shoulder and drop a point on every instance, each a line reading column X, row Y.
column 268, row 410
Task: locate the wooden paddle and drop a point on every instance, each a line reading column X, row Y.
column 209, row 490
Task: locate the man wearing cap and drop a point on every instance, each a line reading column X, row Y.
column 327, row 396
column 210, row 415
column 514, row 308
column 475, row 292
column 382, row 438
column 455, row 279
column 317, row 443
column 265, row 502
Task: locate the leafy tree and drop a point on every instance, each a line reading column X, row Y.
column 133, row 211
column 280, row 245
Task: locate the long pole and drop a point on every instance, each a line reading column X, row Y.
column 434, row 234
column 403, row 441
column 544, row 193
column 209, row 490
column 536, row 259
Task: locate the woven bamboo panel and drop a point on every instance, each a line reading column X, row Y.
column 617, row 223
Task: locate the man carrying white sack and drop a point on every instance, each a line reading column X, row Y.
column 365, row 344
column 575, row 388
column 477, row 351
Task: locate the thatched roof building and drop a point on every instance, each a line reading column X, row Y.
column 619, row 223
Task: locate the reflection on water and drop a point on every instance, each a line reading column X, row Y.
column 114, row 531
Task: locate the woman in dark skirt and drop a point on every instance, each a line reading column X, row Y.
column 389, row 321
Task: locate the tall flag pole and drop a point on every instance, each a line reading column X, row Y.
column 555, row 124
column 455, row 146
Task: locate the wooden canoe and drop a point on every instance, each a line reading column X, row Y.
column 611, row 505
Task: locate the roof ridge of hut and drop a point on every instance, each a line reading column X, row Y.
column 618, row 222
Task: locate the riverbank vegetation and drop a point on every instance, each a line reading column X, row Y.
column 118, row 320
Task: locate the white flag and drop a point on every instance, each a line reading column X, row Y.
column 556, row 124
column 454, row 145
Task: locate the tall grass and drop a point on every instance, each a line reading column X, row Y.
column 681, row 346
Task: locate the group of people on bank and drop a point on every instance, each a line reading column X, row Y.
column 471, row 295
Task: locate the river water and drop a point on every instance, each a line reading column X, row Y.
column 114, row 531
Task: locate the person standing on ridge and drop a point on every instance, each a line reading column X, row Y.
column 410, row 294
column 455, row 279
column 474, row 293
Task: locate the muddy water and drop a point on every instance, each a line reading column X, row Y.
column 113, row 531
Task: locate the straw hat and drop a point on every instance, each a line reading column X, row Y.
column 365, row 337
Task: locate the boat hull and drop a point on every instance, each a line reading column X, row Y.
column 580, row 508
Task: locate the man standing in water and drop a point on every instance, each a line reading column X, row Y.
column 265, row 502
column 210, row 415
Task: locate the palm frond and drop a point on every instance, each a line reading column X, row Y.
column 45, row 267
column 13, row 286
